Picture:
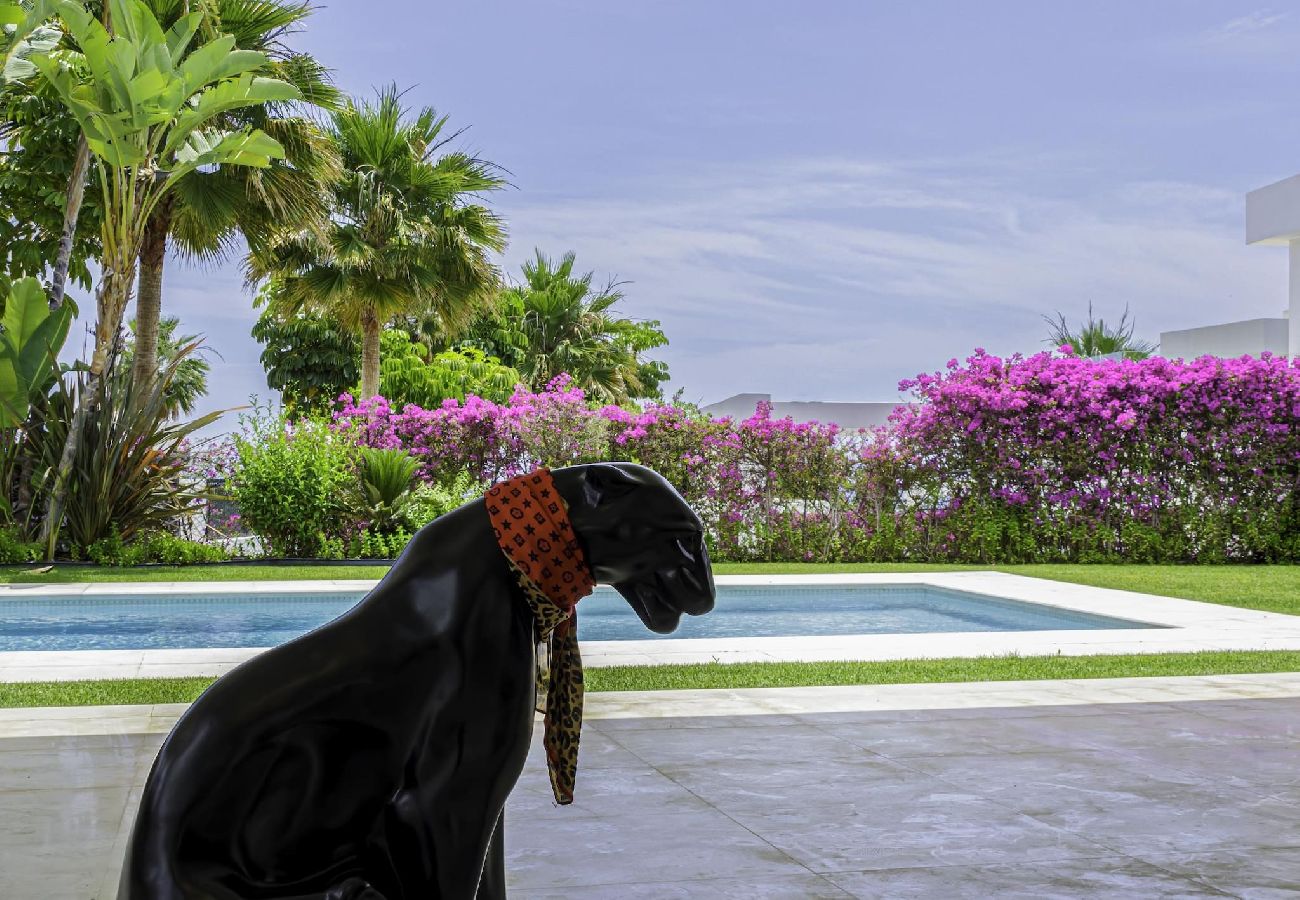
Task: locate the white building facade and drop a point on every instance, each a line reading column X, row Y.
column 1272, row 218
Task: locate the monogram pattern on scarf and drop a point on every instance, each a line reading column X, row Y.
column 532, row 528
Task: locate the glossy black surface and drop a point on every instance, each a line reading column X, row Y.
column 372, row 757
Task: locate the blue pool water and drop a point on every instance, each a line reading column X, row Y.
column 143, row 622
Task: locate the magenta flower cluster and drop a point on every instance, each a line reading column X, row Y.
column 1041, row 458
column 1059, row 457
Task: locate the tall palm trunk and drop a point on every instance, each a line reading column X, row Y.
column 369, row 355
column 71, row 212
column 148, row 298
column 76, row 192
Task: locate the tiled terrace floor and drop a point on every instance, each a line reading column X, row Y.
column 1128, row 800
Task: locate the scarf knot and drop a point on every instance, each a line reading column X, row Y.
column 532, row 528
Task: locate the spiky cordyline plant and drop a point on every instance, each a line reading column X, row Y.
column 129, row 470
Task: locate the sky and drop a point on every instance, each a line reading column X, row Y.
column 818, row 199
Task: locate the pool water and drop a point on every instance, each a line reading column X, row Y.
column 223, row 620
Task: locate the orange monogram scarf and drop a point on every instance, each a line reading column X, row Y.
column 531, row 525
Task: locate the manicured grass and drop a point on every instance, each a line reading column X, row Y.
column 102, row 693
column 915, row 671
column 1269, row 588
column 742, row 675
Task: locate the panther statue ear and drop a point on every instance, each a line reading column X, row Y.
column 603, row 482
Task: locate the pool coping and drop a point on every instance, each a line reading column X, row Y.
column 1179, row 626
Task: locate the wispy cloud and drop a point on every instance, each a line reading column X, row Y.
column 1257, row 21
column 833, row 278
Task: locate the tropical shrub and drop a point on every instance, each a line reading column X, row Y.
column 159, row 547
column 30, row 342
column 386, row 478
column 292, row 482
column 428, row 501
column 16, row 549
column 372, row 544
column 309, row 359
column 409, row 373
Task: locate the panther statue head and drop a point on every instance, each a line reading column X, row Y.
column 641, row 537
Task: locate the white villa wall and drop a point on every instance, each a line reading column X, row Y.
column 846, row 415
column 1250, row 337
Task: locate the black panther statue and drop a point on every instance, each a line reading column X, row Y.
column 372, row 758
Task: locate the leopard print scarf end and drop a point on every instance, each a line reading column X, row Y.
column 532, row 528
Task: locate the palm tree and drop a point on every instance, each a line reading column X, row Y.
column 143, row 142
column 406, row 236
column 555, row 322
column 1094, row 338
column 179, row 358
column 208, row 209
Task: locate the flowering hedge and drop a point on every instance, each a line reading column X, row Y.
column 1044, row 458
column 1057, row 457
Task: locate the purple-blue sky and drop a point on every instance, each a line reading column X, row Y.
column 820, row 198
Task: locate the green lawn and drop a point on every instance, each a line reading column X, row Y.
column 742, row 675
column 1270, row 588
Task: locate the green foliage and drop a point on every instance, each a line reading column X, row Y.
column 150, row 109
column 554, row 322
column 387, row 477
column 406, row 235
column 309, row 359
column 30, row 343
column 34, row 171
column 292, row 484
column 215, row 205
column 429, row 501
column 15, row 548
column 190, row 381
column 373, row 544
column 1094, row 338
column 408, row 373
column 142, row 79
column 158, row 547
column 129, row 471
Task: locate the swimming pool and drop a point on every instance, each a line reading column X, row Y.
column 123, row 621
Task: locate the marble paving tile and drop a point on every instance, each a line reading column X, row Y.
column 727, row 746
column 975, row 735
column 799, row 783
column 38, row 818
column 971, row 802
column 1251, row 873
column 1099, row 878
column 902, row 830
column 54, row 871
column 1121, row 803
column 93, row 761
column 542, row 850
column 1266, row 770
column 604, row 793
column 595, row 751
column 781, row 887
